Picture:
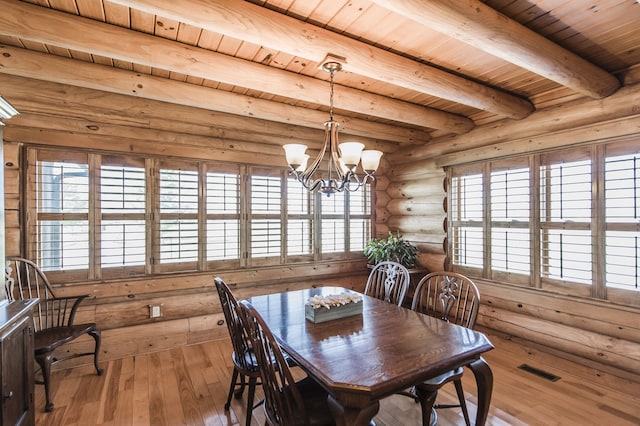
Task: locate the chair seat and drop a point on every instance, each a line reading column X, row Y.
column 437, row 382
column 49, row 339
column 315, row 404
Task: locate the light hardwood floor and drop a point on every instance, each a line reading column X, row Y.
column 188, row 386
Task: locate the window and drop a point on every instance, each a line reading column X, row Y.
column 122, row 214
column 622, row 212
column 565, row 217
column 266, row 218
column 567, row 220
column 103, row 216
column 467, row 219
column 223, row 215
column 299, row 220
column 510, row 212
column 61, row 203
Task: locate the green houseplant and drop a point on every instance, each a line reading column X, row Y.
column 392, row 248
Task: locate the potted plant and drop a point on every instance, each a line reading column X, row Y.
column 392, row 248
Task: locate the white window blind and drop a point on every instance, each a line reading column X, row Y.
column 622, row 215
column 223, row 215
column 565, row 219
column 510, row 211
column 122, row 206
column 61, row 202
column 178, row 214
column 467, row 214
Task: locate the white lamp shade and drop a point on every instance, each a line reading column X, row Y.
column 371, row 160
column 295, row 154
column 350, row 153
column 303, row 165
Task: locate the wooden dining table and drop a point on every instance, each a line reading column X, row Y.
column 364, row 358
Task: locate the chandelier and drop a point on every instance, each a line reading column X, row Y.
column 340, row 174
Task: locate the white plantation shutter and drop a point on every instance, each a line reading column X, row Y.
column 61, row 204
column 122, row 206
column 223, row 214
column 622, row 216
column 266, row 218
column 510, row 212
column 178, row 206
column 333, row 222
column 299, row 220
column 467, row 214
column 360, row 218
column 565, row 217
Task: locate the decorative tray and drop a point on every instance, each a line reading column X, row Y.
column 334, row 306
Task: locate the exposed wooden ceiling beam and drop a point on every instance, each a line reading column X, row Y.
column 99, row 107
column 25, row 63
column 263, row 27
column 475, row 23
column 57, row 28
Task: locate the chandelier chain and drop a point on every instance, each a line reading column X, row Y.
column 332, row 73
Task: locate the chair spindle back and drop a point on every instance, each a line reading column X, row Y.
column 448, row 296
column 281, row 394
column 239, row 337
column 388, row 281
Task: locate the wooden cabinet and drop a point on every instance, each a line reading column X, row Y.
column 17, row 361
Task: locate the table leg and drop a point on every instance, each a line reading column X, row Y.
column 352, row 416
column 484, row 381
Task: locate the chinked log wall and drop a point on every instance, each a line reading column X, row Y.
column 64, row 116
column 596, row 332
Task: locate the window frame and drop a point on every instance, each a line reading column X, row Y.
column 153, row 216
column 597, row 288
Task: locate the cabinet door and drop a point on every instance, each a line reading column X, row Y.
column 16, row 356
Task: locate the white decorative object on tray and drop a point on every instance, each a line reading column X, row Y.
column 333, row 306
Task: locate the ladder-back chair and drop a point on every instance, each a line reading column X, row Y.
column 244, row 360
column 454, row 298
column 287, row 402
column 53, row 318
column 388, row 281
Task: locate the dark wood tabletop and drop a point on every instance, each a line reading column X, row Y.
column 363, row 358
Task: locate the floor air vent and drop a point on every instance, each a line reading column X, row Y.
column 539, row 373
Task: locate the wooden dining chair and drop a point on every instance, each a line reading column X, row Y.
column 454, row 298
column 287, row 402
column 388, row 281
column 245, row 364
column 53, row 318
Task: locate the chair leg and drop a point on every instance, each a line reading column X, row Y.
column 463, row 403
column 45, row 367
column 238, row 393
column 97, row 337
column 250, row 396
column 232, row 386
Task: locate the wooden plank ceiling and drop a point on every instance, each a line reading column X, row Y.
column 414, row 69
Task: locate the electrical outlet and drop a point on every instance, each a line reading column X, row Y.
column 154, row 311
